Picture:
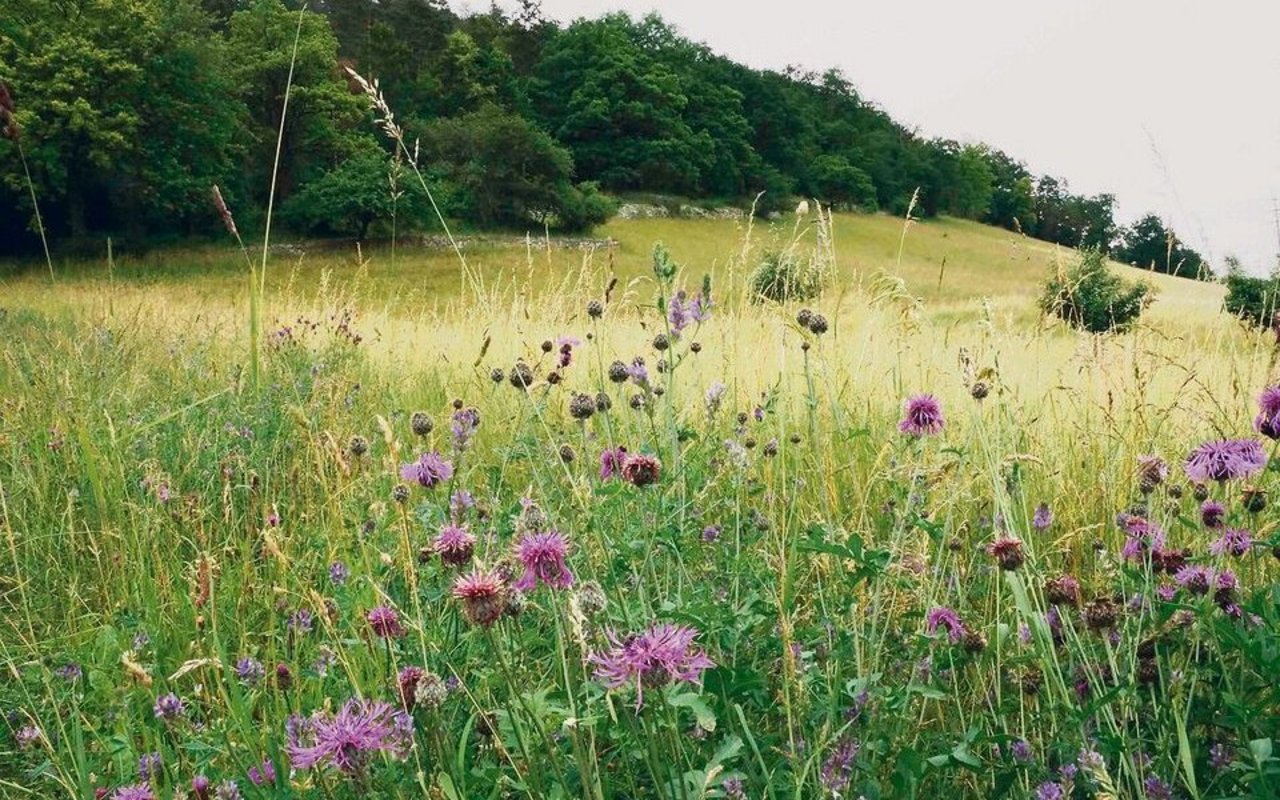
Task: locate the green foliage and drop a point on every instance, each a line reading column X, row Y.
column 1091, row 297
column 783, row 276
column 506, row 172
column 837, row 181
column 353, row 195
column 1253, row 300
column 1149, row 244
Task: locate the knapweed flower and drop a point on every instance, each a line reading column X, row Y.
column 543, row 557
column 943, row 617
column 662, row 654
column 301, row 621
column 1152, row 472
column 611, row 462
column 1233, row 541
column 1225, row 460
column 483, row 596
column 1195, row 579
column 138, row 791
column 344, row 740
column 1267, row 422
column 430, row 469
column 922, row 416
column 714, row 397
column 683, row 310
column 1220, row 756
column 1043, row 517
column 1101, row 614
column 1022, row 752
column 1141, row 536
column 169, row 707
column 463, row 426
column 69, row 672
column 641, row 470
column 249, row 670
column 385, row 622
column 1063, row 590
column 1156, row 789
column 228, row 790
column 407, row 683
column 200, row 786
column 710, row 533
column 1212, row 513
column 1007, row 551
column 455, row 545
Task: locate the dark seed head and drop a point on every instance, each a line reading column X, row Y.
column 595, row 309
column 637, row 401
column 457, row 404
column 422, row 424
column 771, row 448
column 497, row 375
column 695, row 347
column 566, row 453
column 1031, row 681
column 979, row 390
column 658, row 391
column 794, row 438
column 400, row 493
column 548, row 346
column 1148, row 673
column 1254, row 499
column 818, row 324
column 1101, row 614
column 358, row 446
column 1200, row 492
column 603, row 402
column 521, row 376
column 618, row 372
column 974, row 641
column 803, row 316
column 582, row 406
column 554, row 377
column 661, row 342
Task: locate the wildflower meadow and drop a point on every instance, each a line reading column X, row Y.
column 640, row 539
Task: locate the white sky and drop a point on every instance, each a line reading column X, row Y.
column 1171, row 105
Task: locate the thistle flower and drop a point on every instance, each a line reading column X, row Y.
column 1156, row 789
column 483, row 596
column 943, row 617
column 662, row 654
column 169, row 707
column 455, row 545
column 641, row 470
column 1195, row 579
column 1224, row 460
column 543, row 557
column 1007, row 551
column 611, row 462
column 922, row 416
column 1233, row 541
column 343, row 741
column 1022, row 752
column 1212, row 513
column 385, row 622
column 430, row 469
column 1050, row 790
column 200, row 786
column 1267, row 422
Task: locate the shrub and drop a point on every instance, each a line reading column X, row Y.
column 1092, row 297
column 783, row 275
column 1253, row 300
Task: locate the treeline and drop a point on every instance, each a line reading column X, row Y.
column 130, row 109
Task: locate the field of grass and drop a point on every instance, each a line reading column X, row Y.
column 212, row 581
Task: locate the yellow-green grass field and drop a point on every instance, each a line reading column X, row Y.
column 169, row 525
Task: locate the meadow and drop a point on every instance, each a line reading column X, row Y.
column 566, row 522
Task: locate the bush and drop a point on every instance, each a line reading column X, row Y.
column 1253, row 300
column 783, row 275
column 582, row 207
column 1091, row 297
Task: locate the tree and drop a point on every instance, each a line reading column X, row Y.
column 1149, row 244
column 835, row 180
column 353, row 195
column 504, row 171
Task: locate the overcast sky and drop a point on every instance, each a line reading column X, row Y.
column 1171, row 105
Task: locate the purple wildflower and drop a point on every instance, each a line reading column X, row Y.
column 463, row 426
column 611, row 462
column 483, row 596
column 228, row 790
column 455, row 545
column 69, row 672
column 138, row 791
column 837, row 770
column 922, row 417
column 542, row 555
column 150, row 765
column 714, row 397
column 249, row 670
column 430, row 469
column 459, row 502
column 1141, row 535
column 683, row 310
column 661, row 654
column 1212, row 513
column 28, row 736
column 338, row 573
column 343, row 740
column 1224, row 460
column 1233, row 541
column 169, row 706
column 263, row 774
column 301, row 621
column 385, row 622
column 1022, row 752
column 710, row 533
column 1049, row 790
column 1156, row 789
column 943, row 617
column 1043, row 517
column 733, row 788
column 1267, row 422
column 1166, row 592
column 200, row 787
column 641, row 470
column 1219, row 756
column 1195, row 579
